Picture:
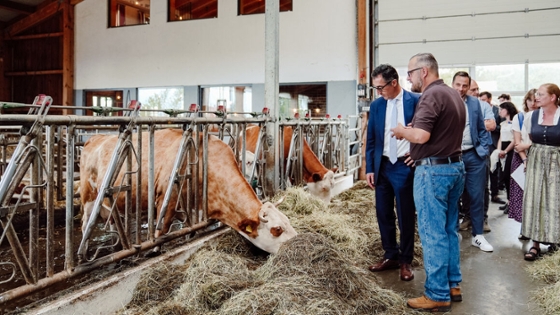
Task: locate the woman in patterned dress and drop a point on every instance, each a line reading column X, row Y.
column 541, row 201
column 506, row 144
column 522, row 145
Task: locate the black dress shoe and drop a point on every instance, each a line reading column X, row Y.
column 497, row 199
column 385, row 264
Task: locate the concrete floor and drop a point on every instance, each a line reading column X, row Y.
column 493, row 283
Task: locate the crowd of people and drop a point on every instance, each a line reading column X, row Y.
column 439, row 150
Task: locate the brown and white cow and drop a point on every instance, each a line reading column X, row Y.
column 319, row 179
column 230, row 198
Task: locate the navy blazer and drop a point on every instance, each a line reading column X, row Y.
column 376, row 128
column 480, row 136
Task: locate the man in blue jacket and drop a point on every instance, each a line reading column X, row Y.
column 388, row 170
column 474, row 149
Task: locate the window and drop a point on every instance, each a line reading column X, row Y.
column 234, row 98
column 104, row 99
column 258, row 6
column 541, row 73
column 160, row 99
column 501, row 77
column 129, row 12
column 446, row 74
column 302, row 98
column 180, row 10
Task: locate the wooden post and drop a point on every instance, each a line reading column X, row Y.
column 67, row 56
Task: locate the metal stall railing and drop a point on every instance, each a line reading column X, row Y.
column 131, row 236
column 60, row 138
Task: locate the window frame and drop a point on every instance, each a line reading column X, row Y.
column 171, row 8
column 285, row 6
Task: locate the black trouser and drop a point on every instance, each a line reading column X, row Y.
column 506, row 174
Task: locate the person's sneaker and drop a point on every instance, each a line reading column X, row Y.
column 455, row 294
column 465, row 225
column 486, row 227
column 481, row 242
column 424, row 303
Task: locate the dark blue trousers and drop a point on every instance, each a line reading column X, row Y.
column 395, row 182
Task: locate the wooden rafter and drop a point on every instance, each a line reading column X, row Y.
column 33, row 19
column 17, row 7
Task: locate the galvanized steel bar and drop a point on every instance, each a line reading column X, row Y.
column 87, row 267
column 271, row 89
column 204, row 200
column 138, row 222
column 34, row 212
column 69, row 233
column 151, row 180
column 49, row 198
column 99, row 120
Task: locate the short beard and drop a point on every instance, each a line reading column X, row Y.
column 416, row 88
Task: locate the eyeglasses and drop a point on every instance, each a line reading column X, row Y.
column 380, row 88
column 410, row 71
column 540, row 94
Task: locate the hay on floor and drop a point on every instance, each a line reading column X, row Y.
column 321, row 271
column 547, row 269
column 308, row 276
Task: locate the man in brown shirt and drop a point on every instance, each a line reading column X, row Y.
column 435, row 144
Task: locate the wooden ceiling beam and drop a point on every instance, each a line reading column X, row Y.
column 17, row 7
column 33, row 19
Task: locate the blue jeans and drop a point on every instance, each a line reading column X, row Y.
column 437, row 190
column 475, row 184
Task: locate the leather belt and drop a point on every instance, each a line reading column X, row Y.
column 400, row 158
column 438, row 160
column 467, row 150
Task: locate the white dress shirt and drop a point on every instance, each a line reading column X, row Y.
column 403, row 146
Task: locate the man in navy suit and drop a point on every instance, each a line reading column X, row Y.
column 474, row 149
column 389, row 172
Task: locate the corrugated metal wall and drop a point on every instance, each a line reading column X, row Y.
column 470, row 32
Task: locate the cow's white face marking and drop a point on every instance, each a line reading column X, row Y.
column 249, row 161
column 322, row 189
column 272, row 221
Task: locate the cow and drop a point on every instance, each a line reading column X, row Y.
column 319, row 179
column 230, row 198
column 249, row 162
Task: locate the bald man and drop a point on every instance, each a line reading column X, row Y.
column 473, row 89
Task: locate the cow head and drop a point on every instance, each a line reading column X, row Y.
column 273, row 230
column 321, row 187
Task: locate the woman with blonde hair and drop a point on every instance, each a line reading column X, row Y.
column 541, row 204
column 522, row 145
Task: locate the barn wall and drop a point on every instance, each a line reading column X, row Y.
column 472, row 32
column 317, row 43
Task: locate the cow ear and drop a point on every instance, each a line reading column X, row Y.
column 334, row 169
column 316, row 177
column 276, row 231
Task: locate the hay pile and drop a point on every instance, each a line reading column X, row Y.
column 321, row 271
column 307, row 276
column 350, row 221
column 547, row 270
